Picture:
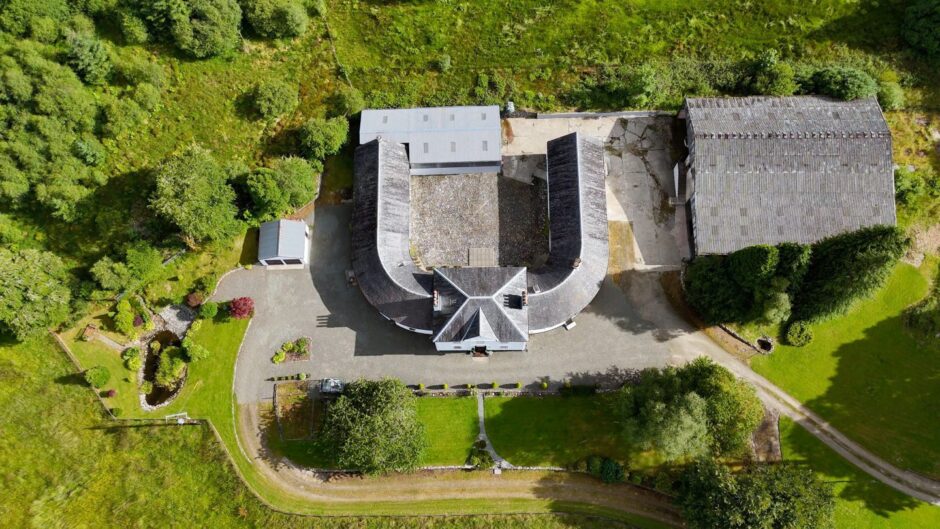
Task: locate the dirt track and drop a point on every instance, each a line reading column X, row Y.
column 449, row 485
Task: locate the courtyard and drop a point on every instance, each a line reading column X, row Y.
column 452, row 215
column 628, row 326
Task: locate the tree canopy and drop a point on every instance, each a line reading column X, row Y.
column 688, row 412
column 193, row 193
column 781, row 496
column 374, row 427
column 922, row 27
column 34, row 295
column 289, row 183
column 276, row 18
column 320, row 137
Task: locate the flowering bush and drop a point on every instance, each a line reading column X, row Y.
column 241, row 308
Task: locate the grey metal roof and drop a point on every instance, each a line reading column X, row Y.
column 483, row 303
column 768, row 169
column 282, row 239
column 381, row 259
column 578, row 251
column 441, row 135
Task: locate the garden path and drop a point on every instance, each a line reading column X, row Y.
column 499, row 461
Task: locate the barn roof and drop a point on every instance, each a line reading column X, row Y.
column 282, row 239
column 440, row 135
column 578, row 251
column 775, row 169
column 381, row 259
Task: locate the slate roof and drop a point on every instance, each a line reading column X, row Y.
column 774, row 169
column 381, row 260
column 578, row 251
column 483, row 303
column 282, row 239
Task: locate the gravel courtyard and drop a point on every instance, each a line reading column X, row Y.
column 351, row 340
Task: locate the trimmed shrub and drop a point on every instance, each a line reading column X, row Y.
column 133, row 363
column 208, row 310
column 518, row 385
column 241, row 308
column 494, row 385
column 97, row 376
column 279, row 356
column 109, row 393
column 320, row 138
column 842, row 82
column 544, row 385
column 276, row 18
column 799, row 334
column 195, row 352
column 146, row 387
column 710, row 289
column 753, row 266
column 792, row 263
column 445, row 386
column 273, row 99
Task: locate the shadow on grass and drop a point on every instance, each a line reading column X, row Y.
column 883, row 396
column 72, row 379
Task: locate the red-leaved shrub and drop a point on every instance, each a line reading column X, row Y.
column 110, row 393
column 194, row 299
column 241, row 308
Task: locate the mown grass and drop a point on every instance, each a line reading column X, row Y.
column 451, row 427
column 552, row 431
column 861, row 502
column 869, row 377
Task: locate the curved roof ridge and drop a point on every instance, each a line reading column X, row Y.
column 381, row 259
column 578, row 251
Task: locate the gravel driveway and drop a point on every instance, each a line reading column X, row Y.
column 351, row 340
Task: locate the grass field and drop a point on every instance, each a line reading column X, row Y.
column 451, row 428
column 862, row 503
column 74, row 468
column 551, row 431
column 867, row 376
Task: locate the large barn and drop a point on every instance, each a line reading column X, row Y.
column 480, row 308
column 766, row 170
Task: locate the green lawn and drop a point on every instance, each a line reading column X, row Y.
column 551, row 431
column 861, row 502
column 866, row 375
column 65, row 465
column 451, row 427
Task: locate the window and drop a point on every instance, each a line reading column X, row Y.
column 453, row 146
column 293, row 261
column 385, row 119
column 426, row 117
column 483, row 116
column 485, row 146
column 451, row 117
column 425, row 148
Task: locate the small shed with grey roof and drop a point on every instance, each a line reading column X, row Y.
column 284, row 244
column 766, row 170
column 441, row 140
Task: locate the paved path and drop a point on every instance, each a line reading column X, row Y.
column 481, row 415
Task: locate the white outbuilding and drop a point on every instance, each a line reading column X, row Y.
column 284, row 244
